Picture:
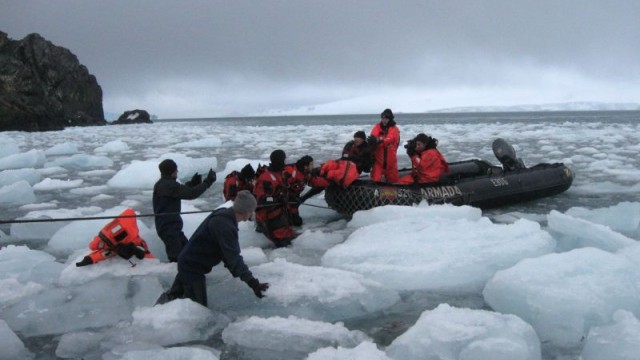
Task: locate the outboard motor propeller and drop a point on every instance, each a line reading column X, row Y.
column 506, row 154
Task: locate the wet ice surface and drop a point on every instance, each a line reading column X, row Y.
column 552, row 279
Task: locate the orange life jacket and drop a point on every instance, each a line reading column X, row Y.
column 233, row 184
column 342, row 172
column 122, row 231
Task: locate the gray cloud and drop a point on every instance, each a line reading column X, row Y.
column 219, row 58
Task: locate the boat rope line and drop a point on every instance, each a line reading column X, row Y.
column 41, row 220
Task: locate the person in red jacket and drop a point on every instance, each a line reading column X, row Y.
column 385, row 136
column 340, row 172
column 271, row 192
column 427, row 163
column 297, row 176
column 237, row 181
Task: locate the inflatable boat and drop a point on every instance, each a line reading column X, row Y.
column 473, row 182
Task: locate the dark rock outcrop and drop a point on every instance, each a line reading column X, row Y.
column 133, row 117
column 44, row 87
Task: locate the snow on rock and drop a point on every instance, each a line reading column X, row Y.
column 16, row 194
column 82, row 162
column 571, row 233
column 30, row 159
column 414, row 248
column 564, row 295
column 453, row 333
column 144, row 174
column 62, row 149
column 292, row 333
column 617, row 341
column 365, row 351
column 175, row 322
column 49, row 184
column 8, row 177
column 320, row 293
column 11, row 345
column 115, row 146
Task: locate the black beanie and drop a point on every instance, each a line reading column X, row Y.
column 278, row 157
column 387, row 113
column 247, row 172
column 360, row 134
column 167, row 167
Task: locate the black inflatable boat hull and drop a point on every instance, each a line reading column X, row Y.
column 494, row 188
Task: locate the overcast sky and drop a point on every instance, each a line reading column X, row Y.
column 184, row 59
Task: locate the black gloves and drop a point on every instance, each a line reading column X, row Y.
column 86, row 261
column 128, row 250
column 195, row 180
column 211, row 177
column 371, row 140
column 257, row 287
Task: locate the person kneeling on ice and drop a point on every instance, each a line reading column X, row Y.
column 214, row 241
column 244, row 179
column 118, row 237
column 427, row 163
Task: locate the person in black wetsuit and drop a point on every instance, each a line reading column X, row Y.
column 167, row 196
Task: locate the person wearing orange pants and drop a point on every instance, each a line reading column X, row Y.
column 385, row 138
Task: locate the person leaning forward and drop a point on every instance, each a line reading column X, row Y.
column 167, row 196
column 214, row 241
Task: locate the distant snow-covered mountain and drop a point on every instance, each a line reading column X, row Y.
column 569, row 106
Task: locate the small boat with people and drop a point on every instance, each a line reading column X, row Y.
column 472, row 182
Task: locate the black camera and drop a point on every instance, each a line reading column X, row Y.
column 411, row 144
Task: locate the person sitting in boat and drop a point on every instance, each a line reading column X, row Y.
column 359, row 151
column 385, row 138
column 427, row 163
column 239, row 180
column 297, row 176
column 271, row 192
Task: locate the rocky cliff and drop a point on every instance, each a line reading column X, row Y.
column 44, row 87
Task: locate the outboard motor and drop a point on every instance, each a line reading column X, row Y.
column 506, row 154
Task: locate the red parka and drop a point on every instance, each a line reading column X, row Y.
column 233, row 184
column 341, row 172
column 385, row 159
column 272, row 212
column 427, row 167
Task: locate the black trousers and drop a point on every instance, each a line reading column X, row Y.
column 173, row 243
column 181, row 289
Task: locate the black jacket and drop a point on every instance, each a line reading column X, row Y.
column 167, row 195
column 361, row 155
column 214, row 241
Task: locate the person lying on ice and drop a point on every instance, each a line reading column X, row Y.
column 427, row 163
column 214, row 241
column 119, row 237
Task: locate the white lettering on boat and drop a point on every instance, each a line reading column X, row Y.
column 497, row 182
column 438, row 192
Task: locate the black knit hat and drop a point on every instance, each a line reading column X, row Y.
column 278, row 157
column 360, row 134
column 387, row 113
column 167, row 167
column 247, row 172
